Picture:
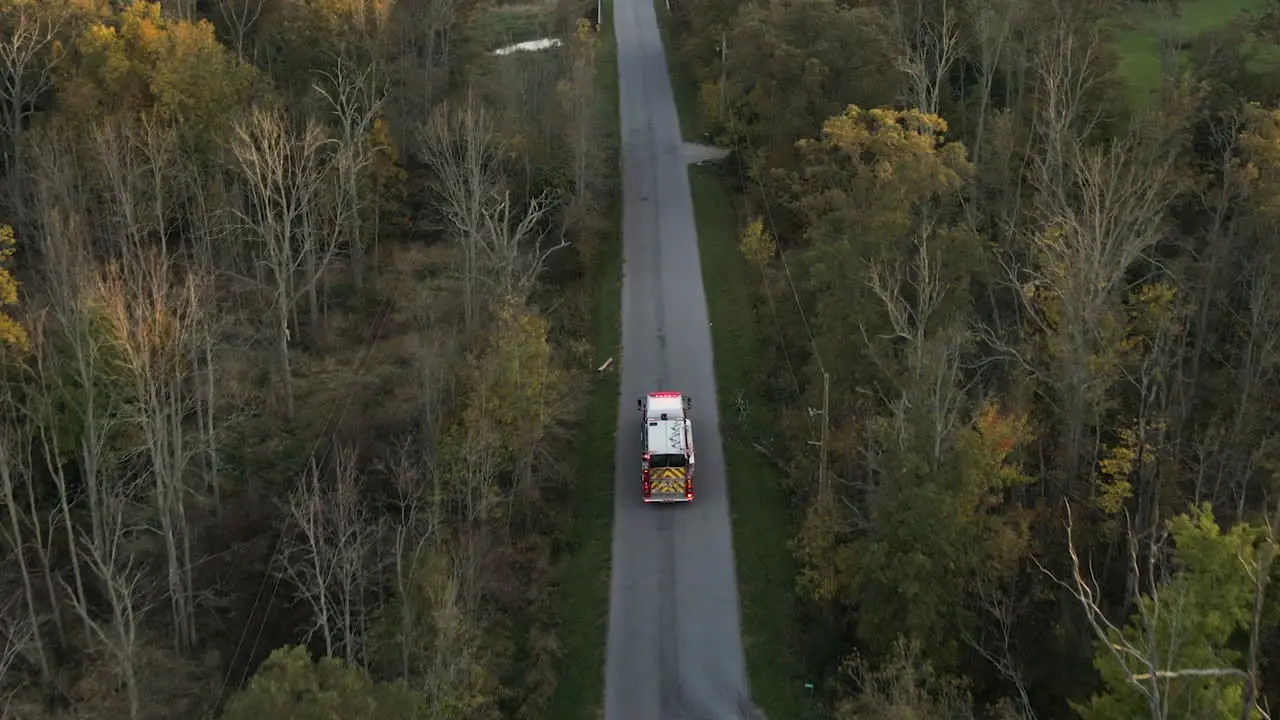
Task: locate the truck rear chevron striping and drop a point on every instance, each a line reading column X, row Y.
column 666, row 436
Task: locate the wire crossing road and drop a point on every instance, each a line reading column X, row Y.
column 674, row 647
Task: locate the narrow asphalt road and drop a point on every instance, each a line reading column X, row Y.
column 674, row 648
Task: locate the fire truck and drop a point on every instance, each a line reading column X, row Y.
column 667, row 439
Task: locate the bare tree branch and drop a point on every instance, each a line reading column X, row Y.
column 329, row 558
column 283, row 168
column 241, row 17
column 355, row 96
column 461, row 147
column 26, row 72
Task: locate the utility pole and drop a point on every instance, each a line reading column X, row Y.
column 724, row 51
column 823, row 486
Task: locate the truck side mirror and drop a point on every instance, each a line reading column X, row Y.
column 688, row 404
column 640, row 404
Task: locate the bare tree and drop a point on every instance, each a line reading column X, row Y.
column 284, row 168
column 123, row 181
column 154, row 316
column 414, row 528
column 64, row 240
column 927, row 48
column 578, row 100
column 512, row 253
column 355, row 96
column 241, row 16
column 906, row 686
column 184, row 10
column 211, row 228
column 62, row 379
column 157, row 143
column 998, row 605
column 17, row 636
column 121, row 582
column 1219, row 245
column 12, row 469
column 26, row 71
column 427, row 34
column 1100, row 211
column 329, row 556
column 462, row 149
column 1063, row 66
column 992, row 23
column 913, row 297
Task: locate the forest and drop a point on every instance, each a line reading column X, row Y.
column 295, row 308
column 1018, row 301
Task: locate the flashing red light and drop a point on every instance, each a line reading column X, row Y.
column 664, row 394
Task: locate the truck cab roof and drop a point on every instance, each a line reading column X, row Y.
column 664, row 405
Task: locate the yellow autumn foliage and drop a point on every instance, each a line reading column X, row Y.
column 758, row 245
column 871, row 170
column 12, row 334
column 1259, row 165
column 517, row 389
column 141, row 62
column 1115, row 468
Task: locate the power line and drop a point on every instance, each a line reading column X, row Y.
column 823, row 485
column 345, row 401
column 773, row 309
column 773, row 228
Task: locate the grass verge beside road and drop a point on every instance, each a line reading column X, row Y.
column 772, row 634
column 583, row 600
column 683, row 86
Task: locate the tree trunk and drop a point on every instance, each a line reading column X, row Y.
column 282, row 357
column 28, row 589
column 356, row 236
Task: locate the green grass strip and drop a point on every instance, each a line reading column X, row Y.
column 584, row 588
column 772, row 634
column 683, row 85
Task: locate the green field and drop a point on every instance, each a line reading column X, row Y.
column 1144, row 29
column 583, row 599
column 508, row 24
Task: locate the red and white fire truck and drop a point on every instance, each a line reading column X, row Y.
column 667, row 439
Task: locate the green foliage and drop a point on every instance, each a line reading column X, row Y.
column 1186, row 623
column 790, row 64
column 291, row 686
column 873, row 182
column 935, row 535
